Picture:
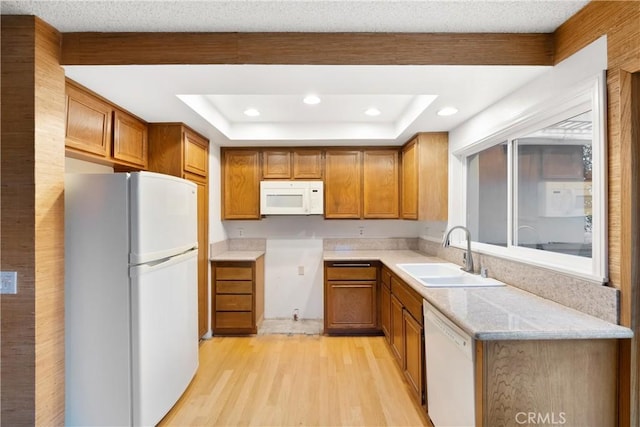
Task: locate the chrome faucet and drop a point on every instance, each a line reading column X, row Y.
column 468, row 259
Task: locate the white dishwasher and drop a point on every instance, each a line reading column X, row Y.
column 449, row 353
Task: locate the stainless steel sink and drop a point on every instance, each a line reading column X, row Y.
column 446, row 275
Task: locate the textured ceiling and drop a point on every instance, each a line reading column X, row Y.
column 161, row 93
column 517, row 16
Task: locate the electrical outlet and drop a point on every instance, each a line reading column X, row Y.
column 301, row 270
column 240, row 231
column 9, row 282
column 361, row 230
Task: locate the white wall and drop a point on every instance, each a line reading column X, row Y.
column 316, row 227
column 293, row 278
column 72, row 165
column 295, row 242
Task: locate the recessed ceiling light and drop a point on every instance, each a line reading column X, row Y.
column 372, row 112
column 447, row 111
column 311, row 99
column 251, row 112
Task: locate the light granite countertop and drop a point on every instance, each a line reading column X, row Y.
column 237, row 256
column 493, row 313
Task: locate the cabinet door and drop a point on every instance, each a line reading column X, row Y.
column 397, row 330
column 409, row 200
column 196, row 154
column 434, row 181
column 307, row 164
column 342, row 184
column 129, row 139
column 385, row 311
column 351, row 305
column 241, row 184
column 203, row 256
column 88, row 125
column 413, row 367
column 381, row 181
column 276, row 164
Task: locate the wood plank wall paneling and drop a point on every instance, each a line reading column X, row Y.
column 49, row 231
column 17, row 226
column 32, row 227
column 620, row 21
column 307, row 48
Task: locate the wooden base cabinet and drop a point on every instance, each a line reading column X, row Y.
column 413, row 359
column 238, row 296
column 556, row 382
column 351, row 298
column 405, row 333
column 385, row 302
column 396, row 338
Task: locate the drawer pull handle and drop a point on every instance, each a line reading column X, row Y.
column 352, row 265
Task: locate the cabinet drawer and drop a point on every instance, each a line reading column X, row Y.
column 352, row 271
column 234, row 302
column 411, row 302
column 233, row 273
column 234, row 320
column 234, row 287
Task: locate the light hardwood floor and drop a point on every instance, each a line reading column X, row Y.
column 298, row 380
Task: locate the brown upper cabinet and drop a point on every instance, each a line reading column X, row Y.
column 276, row 164
column 291, row 164
column 196, row 153
column 88, row 125
column 424, row 177
column 240, row 184
column 177, row 150
column 307, row 164
column 98, row 131
column 380, row 183
column 362, row 184
column 342, row 185
column 129, row 139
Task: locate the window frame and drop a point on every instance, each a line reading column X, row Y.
column 589, row 95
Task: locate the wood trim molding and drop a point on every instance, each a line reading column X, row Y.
column 307, row 48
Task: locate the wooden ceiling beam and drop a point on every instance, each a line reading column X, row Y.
column 307, row 48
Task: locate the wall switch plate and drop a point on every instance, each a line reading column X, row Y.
column 301, row 270
column 9, row 282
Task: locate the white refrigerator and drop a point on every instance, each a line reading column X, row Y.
column 131, row 310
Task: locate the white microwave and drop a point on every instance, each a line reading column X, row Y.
column 291, row 198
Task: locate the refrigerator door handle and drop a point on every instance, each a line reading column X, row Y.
column 138, row 270
column 146, row 258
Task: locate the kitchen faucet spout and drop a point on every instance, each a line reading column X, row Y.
column 468, row 259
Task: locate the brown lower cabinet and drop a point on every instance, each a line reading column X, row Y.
column 385, row 301
column 352, row 306
column 405, row 332
column 351, row 298
column 238, row 296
